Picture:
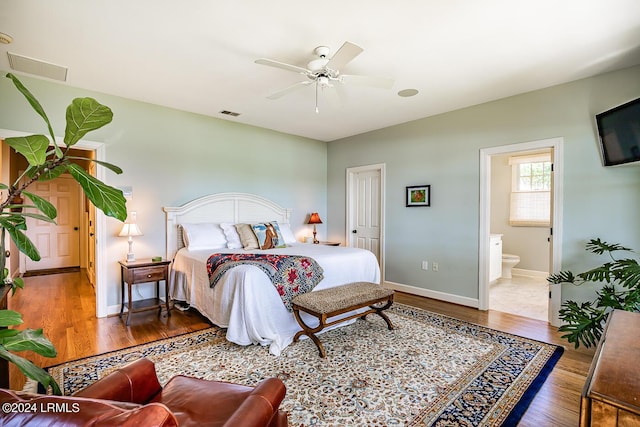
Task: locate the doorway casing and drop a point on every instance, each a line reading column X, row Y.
column 485, row 218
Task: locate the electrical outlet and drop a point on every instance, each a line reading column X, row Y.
column 425, row 265
column 434, row 266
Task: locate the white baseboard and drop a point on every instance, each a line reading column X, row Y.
column 442, row 296
column 529, row 273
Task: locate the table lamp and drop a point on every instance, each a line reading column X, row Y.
column 314, row 219
column 130, row 229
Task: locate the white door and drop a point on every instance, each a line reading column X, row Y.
column 365, row 209
column 59, row 243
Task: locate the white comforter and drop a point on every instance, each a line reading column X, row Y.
column 246, row 302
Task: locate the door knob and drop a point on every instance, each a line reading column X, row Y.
column 75, row 228
column 91, row 234
column 354, row 231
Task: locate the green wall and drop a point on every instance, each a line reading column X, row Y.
column 444, row 150
column 170, row 157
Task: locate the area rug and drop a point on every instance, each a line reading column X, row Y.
column 430, row 370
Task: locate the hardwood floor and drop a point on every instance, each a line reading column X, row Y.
column 64, row 306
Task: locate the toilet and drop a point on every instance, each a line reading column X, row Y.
column 508, row 262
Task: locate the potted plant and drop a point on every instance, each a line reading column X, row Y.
column 620, row 279
column 47, row 160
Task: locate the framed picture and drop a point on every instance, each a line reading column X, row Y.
column 419, row 195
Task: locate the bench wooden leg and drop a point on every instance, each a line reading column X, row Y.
column 379, row 312
column 310, row 332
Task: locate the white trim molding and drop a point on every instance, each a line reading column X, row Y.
column 428, row 293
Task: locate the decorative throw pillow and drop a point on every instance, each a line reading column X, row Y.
column 247, row 237
column 203, row 236
column 287, row 234
column 268, row 235
column 233, row 238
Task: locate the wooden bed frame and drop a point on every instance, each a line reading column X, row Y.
column 217, row 208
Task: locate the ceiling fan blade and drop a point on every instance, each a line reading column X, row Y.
column 344, row 55
column 282, row 65
column 372, row 81
column 289, row 89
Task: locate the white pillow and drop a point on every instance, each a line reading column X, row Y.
column 203, row 236
column 233, row 238
column 287, row 234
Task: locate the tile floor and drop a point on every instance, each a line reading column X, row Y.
column 522, row 295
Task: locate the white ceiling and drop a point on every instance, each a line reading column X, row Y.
column 199, row 55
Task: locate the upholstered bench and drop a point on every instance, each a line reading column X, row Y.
column 332, row 302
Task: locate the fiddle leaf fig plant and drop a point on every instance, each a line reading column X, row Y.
column 46, row 160
column 620, row 279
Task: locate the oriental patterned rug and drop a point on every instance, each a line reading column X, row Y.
column 430, row 370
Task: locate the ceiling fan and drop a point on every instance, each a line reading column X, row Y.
column 324, row 71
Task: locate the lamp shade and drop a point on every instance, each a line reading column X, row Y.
column 314, row 218
column 130, row 230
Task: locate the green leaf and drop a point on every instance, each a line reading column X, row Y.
column 10, row 318
column 111, row 167
column 32, row 147
column 599, row 247
column 23, row 243
column 562, row 277
column 584, row 323
column 109, row 200
column 39, row 217
column 16, row 283
column 7, row 333
column 43, row 204
column 85, row 115
column 3, row 186
column 33, row 340
column 32, row 371
column 33, row 101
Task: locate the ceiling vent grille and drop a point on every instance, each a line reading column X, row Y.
column 229, row 113
column 37, row 67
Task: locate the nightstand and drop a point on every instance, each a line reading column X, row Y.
column 144, row 271
column 330, row 243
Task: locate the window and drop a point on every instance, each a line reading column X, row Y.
column 530, row 190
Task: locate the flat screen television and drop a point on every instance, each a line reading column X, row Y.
column 619, row 132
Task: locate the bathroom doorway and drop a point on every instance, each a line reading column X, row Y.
column 520, row 230
column 527, row 240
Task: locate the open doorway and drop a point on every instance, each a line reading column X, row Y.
column 94, row 221
column 553, row 232
column 520, row 232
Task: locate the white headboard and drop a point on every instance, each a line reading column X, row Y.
column 217, row 208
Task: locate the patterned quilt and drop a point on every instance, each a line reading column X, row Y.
column 290, row 274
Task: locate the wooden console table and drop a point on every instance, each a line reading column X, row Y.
column 611, row 395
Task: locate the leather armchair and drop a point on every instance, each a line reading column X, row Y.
column 133, row 395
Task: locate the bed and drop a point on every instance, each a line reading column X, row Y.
column 244, row 300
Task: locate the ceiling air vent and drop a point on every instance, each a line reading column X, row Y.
column 229, row 113
column 37, row 67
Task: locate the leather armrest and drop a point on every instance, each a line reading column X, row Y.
column 136, row 382
column 71, row 411
column 260, row 406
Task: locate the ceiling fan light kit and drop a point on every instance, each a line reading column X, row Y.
column 323, row 71
column 5, row 38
